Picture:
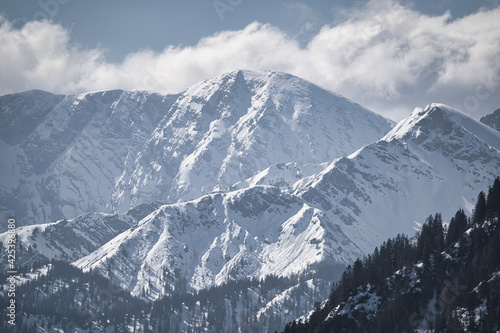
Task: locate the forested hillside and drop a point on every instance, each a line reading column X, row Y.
column 443, row 280
column 89, row 302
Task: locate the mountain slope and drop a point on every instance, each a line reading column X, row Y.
column 88, row 301
column 229, row 128
column 445, row 281
column 110, row 151
column 428, row 160
column 434, row 160
column 66, row 240
column 492, row 120
column 254, row 232
column 69, row 161
column 70, row 240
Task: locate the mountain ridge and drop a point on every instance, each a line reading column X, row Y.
column 258, row 175
column 438, row 155
column 334, row 215
column 442, row 279
column 113, row 150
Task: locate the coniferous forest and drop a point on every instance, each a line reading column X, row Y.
column 89, row 302
column 443, row 280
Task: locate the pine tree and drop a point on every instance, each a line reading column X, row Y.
column 358, row 274
column 458, row 225
column 493, row 201
column 438, row 233
column 424, row 244
column 479, row 213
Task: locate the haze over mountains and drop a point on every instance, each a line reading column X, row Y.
column 242, row 176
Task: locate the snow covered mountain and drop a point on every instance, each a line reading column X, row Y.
column 63, row 156
column 437, row 158
column 70, row 240
column 492, row 120
column 438, row 281
column 70, row 151
column 65, row 240
column 258, row 174
column 253, row 232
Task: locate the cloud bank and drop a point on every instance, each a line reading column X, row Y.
column 386, row 56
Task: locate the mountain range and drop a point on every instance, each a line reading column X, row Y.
column 247, row 175
column 336, row 215
column 110, row 151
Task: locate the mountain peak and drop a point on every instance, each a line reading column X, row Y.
column 432, row 125
column 432, row 118
column 143, row 146
column 492, row 120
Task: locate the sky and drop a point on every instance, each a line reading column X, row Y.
column 388, row 55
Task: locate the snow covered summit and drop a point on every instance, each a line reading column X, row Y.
column 433, row 161
column 109, row 151
column 436, row 158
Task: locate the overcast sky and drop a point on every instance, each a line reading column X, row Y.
column 388, row 55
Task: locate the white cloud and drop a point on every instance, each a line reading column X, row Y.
column 386, row 56
column 393, row 57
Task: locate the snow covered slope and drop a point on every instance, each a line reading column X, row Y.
column 70, row 240
column 66, row 240
column 435, row 160
column 63, row 156
column 253, row 232
column 282, row 175
column 429, row 162
column 227, row 129
column 452, row 285
column 260, row 173
column 67, row 159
